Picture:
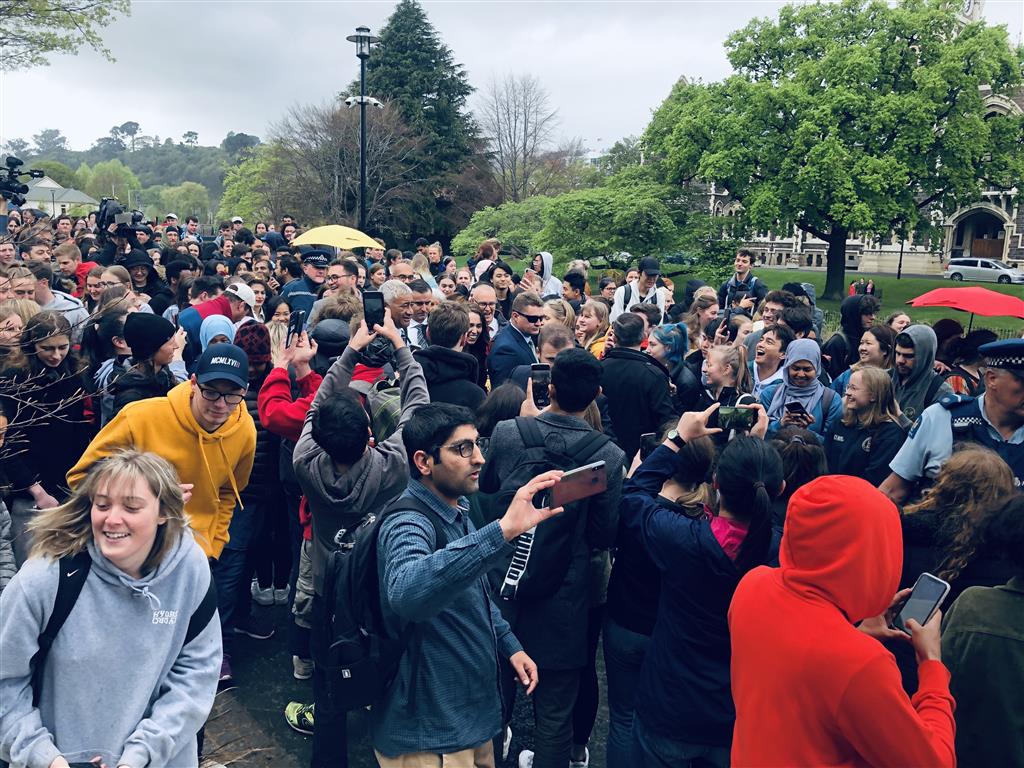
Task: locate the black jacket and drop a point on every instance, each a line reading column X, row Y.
column 135, row 384
column 862, row 451
column 451, row 376
column 263, row 480
column 689, row 392
column 636, row 386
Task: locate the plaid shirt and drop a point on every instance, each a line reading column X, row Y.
column 445, row 697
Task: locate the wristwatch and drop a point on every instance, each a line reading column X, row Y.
column 674, row 438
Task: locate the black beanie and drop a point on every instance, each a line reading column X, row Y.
column 145, row 333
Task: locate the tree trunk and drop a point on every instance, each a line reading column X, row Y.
column 835, row 274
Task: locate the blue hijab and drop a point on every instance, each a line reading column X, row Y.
column 787, row 392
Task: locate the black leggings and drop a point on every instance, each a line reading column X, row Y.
column 584, row 713
column 272, row 551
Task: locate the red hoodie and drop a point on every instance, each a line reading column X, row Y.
column 810, row 689
column 81, row 272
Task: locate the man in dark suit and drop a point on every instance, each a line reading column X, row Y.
column 514, row 345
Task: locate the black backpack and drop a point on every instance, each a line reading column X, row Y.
column 352, row 645
column 74, row 570
column 542, row 557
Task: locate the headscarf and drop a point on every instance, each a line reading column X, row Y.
column 787, row 392
column 216, row 325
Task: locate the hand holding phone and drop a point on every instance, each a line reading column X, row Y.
column 580, row 483
column 740, row 419
column 925, row 599
column 296, row 322
column 648, row 442
column 540, row 378
column 373, row 309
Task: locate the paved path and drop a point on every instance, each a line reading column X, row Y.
column 247, row 725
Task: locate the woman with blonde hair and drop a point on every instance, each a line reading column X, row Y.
column 869, row 434
column 14, row 315
column 592, row 327
column 560, row 311
column 703, row 310
column 143, row 598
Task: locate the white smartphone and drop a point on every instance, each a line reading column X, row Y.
column 579, row 483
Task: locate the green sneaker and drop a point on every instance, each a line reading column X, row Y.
column 300, row 717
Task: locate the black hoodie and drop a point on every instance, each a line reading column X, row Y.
column 451, row 376
column 840, row 351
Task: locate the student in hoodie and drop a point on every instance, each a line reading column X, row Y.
column 451, row 374
column 147, row 576
column 831, row 694
column 147, row 281
column 544, row 284
column 155, row 366
column 856, row 315
column 344, row 479
column 915, row 383
column 821, row 406
column 684, row 713
column 57, row 301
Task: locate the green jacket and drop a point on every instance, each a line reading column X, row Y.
column 983, row 647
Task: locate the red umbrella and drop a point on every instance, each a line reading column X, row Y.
column 977, row 301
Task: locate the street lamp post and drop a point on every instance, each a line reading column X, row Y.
column 363, row 39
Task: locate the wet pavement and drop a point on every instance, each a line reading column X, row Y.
column 247, row 725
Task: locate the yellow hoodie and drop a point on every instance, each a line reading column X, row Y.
column 216, row 463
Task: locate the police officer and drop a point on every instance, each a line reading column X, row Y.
column 994, row 419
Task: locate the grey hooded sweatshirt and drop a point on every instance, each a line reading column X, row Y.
column 118, row 682
column 339, row 500
column 912, row 394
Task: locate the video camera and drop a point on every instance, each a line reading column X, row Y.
column 111, row 212
column 11, row 188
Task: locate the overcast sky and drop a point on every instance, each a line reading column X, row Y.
column 214, row 66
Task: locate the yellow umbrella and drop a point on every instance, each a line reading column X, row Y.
column 336, row 235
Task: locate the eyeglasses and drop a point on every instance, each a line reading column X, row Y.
column 333, row 278
column 486, row 304
column 465, row 447
column 532, row 319
column 213, row 396
column 404, row 278
column 110, row 283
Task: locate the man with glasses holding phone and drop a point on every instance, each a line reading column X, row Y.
column 203, row 429
column 514, row 345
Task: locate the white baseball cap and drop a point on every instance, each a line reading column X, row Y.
column 243, row 292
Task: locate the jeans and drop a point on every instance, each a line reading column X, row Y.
column 228, row 575
column 624, row 653
column 330, row 737
column 652, row 750
column 552, row 711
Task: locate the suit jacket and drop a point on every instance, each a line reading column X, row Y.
column 508, row 350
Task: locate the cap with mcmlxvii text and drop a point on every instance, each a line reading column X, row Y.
column 223, row 362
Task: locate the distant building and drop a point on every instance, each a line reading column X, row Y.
column 49, row 196
column 992, row 228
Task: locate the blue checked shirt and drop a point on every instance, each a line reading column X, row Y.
column 446, row 696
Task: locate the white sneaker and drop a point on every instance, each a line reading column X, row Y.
column 581, row 763
column 262, row 596
column 526, row 759
column 280, row 596
column 302, row 669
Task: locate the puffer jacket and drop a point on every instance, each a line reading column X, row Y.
column 264, row 477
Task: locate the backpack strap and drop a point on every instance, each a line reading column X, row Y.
column 529, row 432
column 826, row 402
column 203, row 613
column 586, row 447
column 74, row 570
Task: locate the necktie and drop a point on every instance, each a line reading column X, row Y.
column 405, row 337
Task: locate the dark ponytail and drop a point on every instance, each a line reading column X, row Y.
column 749, row 477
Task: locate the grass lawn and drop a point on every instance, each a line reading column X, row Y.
column 895, row 294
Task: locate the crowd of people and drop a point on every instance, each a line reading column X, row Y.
column 194, row 425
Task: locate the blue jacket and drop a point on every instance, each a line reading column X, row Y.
column 820, row 426
column 684, row 691
column 508, row 350
column 300, row 294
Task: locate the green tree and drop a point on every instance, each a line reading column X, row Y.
column 635, row 217
column 16, row 147
column 187, row 199
column 31, row 30
column 846, row 117
column 83, row 174
column 515, row 224
column 50, row 143
column 112, row 178
column 257, row 188
column 622, row 154
column 190, row 138
column 56, row 171
column 414, row 69
column 131, row 130
column 237, row 143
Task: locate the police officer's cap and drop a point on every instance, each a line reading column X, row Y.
column 1007, row 354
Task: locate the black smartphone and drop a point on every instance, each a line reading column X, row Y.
column 296, row 320
column 740, row 419
column 796, row 408
column 373, row 309
column 928, row 594
column 648, row 442
column 540, row 376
